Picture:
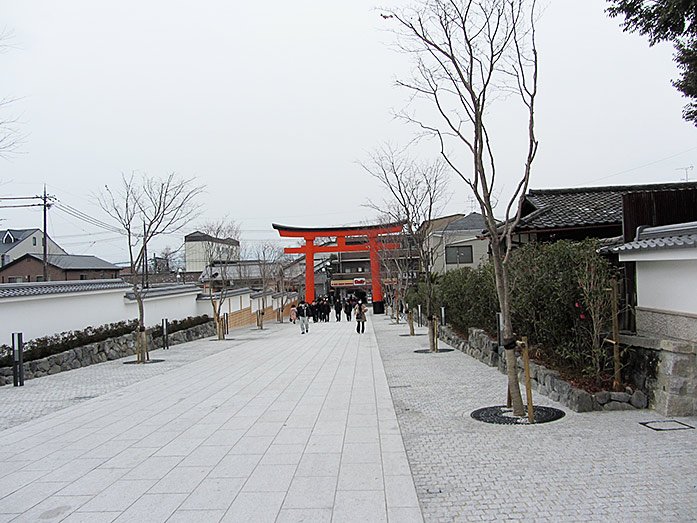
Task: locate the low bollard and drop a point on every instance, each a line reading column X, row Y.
column 165, row 333
column 419, row 318
column 226, row 325
column 442, row 316
column 17, row 359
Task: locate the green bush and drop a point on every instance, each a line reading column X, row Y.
column 180, row 325
column 469, row 297
column 559, row 300
column 48, row 345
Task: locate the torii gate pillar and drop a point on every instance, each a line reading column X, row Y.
column 341, row 233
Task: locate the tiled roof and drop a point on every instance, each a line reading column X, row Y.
column 166, row 290
column 472, row 222
column 578, row 207
column 199, row 236
column 14, row 290
column 76, row 262
column 677, row 236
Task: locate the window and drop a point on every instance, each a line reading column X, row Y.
column 33, row 241
column 458, row 255
column 39, row 278
column 15, row 279
column 83, row 276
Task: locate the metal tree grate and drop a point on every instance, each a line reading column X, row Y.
column 428, row 351
column 503, row 415
column 668, row 424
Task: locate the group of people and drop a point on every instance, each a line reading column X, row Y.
column 319, row 310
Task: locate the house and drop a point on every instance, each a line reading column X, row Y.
column 15, row 243
column 583, row 212
column 665, row 261
column 61, row 267
column 459, row 243
column 201, row 250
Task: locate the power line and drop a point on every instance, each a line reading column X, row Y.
column 644, row 165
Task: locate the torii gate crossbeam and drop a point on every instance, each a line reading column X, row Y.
column 372, row 232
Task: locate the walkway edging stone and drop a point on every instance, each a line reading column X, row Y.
column 111, row 349
column 545, row 381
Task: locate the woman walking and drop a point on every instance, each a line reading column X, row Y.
column 360, row 311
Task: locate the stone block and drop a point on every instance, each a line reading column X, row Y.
column 580, row 400
column 621, row 397
column 617, row 405
column 602, row 397
column 639, row 400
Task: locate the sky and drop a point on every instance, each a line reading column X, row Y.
column 273, row 105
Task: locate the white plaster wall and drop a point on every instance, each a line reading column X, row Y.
column 52, row 314
column 171, row 307
column 669, row 285
column 46, row 315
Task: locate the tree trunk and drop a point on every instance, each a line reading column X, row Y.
column 503, row 291
column 410, row 320
column 141, row 340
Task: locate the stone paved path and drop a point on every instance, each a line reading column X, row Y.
column 41, row 397
column 277, row 427
column 601, row 466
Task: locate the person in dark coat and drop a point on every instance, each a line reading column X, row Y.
column 337, row 309
column 347, row 309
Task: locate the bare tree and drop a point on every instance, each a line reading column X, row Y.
column 269, row 257
column 418, row 191
column 10, row 135
column 220, row 251
column 469, row 55
column 146, row 207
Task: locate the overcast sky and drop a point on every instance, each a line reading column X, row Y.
column 272, row 104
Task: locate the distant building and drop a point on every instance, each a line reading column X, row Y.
column 15, row 243
column 201, row 249
column 61, row 267
column 459, row 243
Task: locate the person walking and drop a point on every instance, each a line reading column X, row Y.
column 304, row 317
column 347, row 309
column 360, row 311
column 337, row 308
column 293, row 313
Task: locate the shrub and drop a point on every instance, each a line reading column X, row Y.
column 180, row 325
column 560, row 300
column 469, row 297
column 48, row 345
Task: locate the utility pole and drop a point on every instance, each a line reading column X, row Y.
column 45, row 246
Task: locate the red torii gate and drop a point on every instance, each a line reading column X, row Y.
column 310, row 234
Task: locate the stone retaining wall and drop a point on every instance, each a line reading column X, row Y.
column 110, row 349
column 545, row 381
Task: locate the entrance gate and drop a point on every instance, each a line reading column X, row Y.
column 373, row 245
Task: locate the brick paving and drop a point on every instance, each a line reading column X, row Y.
column 600, row 466
column 275, row 427
column 278, row 426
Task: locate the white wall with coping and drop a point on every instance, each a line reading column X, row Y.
column 44, row 315
column 669, row 285
column 666, row 279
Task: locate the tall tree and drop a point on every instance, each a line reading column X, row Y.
column 10, row 136
column 417, row 193
column 220, row 251
column 146, row 207
column 673, row 21
column 269, row 257
column 469, row 55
